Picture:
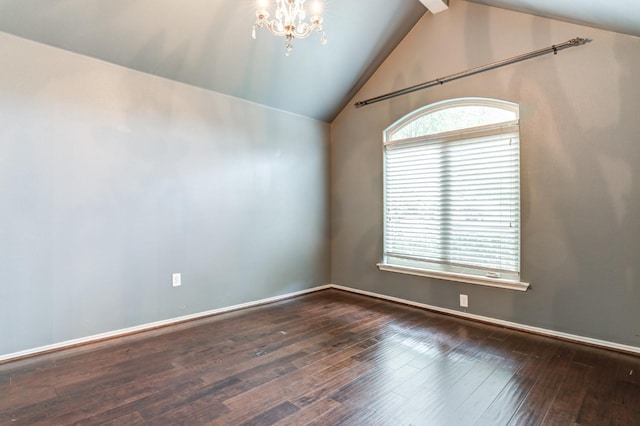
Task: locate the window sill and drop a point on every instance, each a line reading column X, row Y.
column 449, row 276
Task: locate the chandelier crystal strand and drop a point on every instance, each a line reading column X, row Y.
column 290, row 21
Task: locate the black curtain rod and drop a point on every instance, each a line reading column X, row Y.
column 555, row 48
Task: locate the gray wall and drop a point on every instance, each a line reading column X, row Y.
column 580, row 168
column 111, row 180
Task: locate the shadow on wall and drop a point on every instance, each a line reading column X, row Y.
column 581, row 214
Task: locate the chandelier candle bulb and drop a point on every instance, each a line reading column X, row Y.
column 290, row 21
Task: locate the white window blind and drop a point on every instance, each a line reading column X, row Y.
column 452, row 201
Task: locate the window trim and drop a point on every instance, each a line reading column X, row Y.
column 439, row 106
column 513, row 282
column 452, row 276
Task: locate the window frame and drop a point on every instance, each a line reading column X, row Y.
column 451, row 273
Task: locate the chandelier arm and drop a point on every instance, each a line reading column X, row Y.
column 273, row 27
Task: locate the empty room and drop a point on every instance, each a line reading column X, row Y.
column 358, row 212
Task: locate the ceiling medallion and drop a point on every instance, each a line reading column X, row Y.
column 289, row 22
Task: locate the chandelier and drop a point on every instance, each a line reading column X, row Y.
column 290, row 21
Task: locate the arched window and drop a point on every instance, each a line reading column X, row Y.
column 452, row 192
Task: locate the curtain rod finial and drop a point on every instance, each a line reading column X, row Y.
column 579, row 40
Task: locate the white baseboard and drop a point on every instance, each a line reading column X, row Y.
column 150, row 326
column 514, row 325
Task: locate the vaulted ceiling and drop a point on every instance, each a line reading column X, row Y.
column 622, row 16
column 207, row 43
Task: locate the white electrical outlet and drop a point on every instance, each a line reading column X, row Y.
column 176, row 279
column 464, row 301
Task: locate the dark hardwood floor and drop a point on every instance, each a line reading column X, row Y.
column 326, row 358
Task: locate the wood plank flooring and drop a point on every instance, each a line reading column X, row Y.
column 326, row 358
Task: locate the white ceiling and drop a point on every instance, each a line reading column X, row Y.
column 207, row 43
column 622, row 16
